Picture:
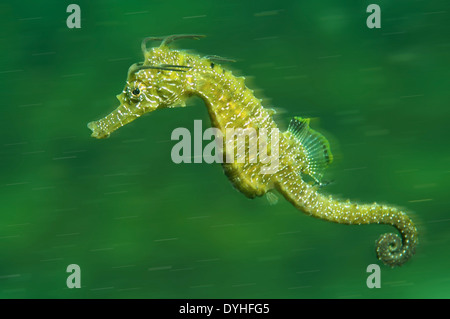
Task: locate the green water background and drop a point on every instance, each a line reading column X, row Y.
column 141, row 226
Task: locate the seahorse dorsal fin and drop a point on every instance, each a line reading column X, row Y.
column 315, row 146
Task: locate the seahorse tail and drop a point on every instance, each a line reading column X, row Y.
column 391, row 249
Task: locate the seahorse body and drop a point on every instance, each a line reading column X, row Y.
column 168, row 77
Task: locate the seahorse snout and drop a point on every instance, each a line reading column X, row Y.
column 97, row 132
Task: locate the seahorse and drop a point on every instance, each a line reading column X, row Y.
column 168, row 77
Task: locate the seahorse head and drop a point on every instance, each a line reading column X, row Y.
column 159, row 82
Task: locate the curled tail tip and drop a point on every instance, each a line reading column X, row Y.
column 393, row 251
column 396, row 249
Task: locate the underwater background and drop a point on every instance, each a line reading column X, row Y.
column 140, row 226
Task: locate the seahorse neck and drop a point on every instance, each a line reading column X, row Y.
column 229, row 102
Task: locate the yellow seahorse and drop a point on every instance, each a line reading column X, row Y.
column 168, row 77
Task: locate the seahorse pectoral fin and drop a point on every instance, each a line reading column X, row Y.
column 315, row 145
column 272, row 198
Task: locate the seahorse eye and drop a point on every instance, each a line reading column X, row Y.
column 136, row 92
